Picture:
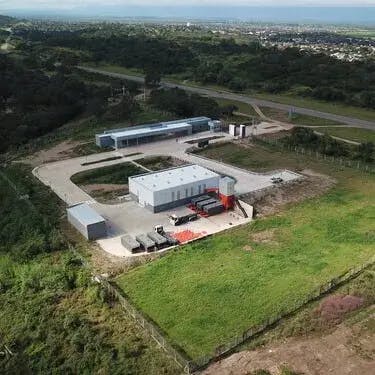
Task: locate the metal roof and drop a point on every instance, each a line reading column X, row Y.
column 173, row 177
column 190, row 121
column 151, row 130
column 85, row 214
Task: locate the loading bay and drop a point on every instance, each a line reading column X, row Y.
column 127, row 216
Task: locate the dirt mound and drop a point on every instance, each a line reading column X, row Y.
column 332, row 309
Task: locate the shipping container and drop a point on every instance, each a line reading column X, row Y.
column 214, row 208
column 201, row 204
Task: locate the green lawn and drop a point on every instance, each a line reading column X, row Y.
column 157, row 163
column 311, row 121
column 242, row 107
column 113, row 174
column 353, row 134
column 213, row 289
column 115, row 69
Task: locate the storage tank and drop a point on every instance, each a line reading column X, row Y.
column 226, row 186
column 232, row 130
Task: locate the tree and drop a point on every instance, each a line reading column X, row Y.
column 366, row 151
column 152, row 77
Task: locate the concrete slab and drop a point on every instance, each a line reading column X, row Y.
column 128, row 216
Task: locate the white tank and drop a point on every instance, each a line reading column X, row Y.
column 226, row 186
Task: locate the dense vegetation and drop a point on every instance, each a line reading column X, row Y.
column 307, row 138
column 239, row 66
column 53, row 319
column 33, row 103
column 28, row 225
column 183, row 104
column 215, row 288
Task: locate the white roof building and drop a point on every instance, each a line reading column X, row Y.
column 159, row 191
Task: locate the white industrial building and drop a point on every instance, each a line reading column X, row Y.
column 163, row 190
column 134, row 135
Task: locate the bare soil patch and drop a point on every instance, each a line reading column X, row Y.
column 61, row 151
column 345, row 351
column 333, row 308
column 106, row 193
column 313, row 185
column 264, row 236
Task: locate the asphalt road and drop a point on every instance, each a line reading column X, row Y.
column 353, row 122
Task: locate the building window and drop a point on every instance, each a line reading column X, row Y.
column 204, row 187
column 178, row 195
column 199, row 189
column 186, row 193
column 192, row 191
column 173, row 198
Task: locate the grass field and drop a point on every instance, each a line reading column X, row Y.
column 353, row 134
column 113, row 174
column 157, row 163
column 115, row 69
column 242, row 107
column 258, row 159
column 336, row 108
column 209, row 291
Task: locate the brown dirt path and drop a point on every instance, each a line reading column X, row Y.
column 345, row 351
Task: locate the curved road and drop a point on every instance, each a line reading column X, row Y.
column 353, row 122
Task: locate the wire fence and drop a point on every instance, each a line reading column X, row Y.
column 252, row 331
column 339, row 161
column 187, row 365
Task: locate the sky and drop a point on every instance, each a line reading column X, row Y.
column 72, row 4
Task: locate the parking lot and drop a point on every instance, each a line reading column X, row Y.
column 128, row 216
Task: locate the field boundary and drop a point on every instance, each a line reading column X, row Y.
column 255, row 330
column 152, row 329
column 189, row 366
column 343, row 162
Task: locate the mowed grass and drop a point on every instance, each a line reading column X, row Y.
column 256, row 158
column 353, row 134
column 245, row 108
column 211, row 290
column 112, row 174
column 318, row 105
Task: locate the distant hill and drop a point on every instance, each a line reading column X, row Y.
column 5, row 20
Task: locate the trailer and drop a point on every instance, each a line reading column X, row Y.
column 213, row 209
column 158, row 239
column 130, row 243
column 200, row 205
column 147, row 243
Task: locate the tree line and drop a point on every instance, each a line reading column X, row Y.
column 326, row 145
column 237, row 65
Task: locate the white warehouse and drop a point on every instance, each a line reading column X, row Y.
column 159, row 191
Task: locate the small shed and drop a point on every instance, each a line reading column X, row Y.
column 87, row 221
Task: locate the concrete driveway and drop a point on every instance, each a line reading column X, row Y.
column 128, row 216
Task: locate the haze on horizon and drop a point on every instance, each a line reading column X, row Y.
column 74, row 4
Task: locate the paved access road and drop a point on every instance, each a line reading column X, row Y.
column 245, row 99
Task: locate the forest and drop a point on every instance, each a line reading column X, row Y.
column 237, row 65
